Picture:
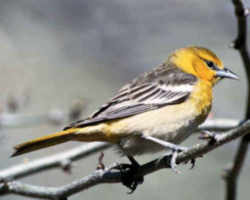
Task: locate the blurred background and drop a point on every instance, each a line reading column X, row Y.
column 54, row 53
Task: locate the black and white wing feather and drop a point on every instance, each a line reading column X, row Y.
column 163, row 86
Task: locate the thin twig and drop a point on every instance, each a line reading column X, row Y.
column 114, row 176
column 240, row 44
column 231, row 174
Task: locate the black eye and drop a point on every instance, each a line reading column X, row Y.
column 211, row 65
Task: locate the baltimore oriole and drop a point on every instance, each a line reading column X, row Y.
column 154, row 111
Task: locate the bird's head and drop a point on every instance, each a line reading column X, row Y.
column 202, row 63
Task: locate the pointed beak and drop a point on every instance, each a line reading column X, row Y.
column 226, row 73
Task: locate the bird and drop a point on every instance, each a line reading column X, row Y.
column 155, row 111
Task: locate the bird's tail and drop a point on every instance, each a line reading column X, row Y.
column 43, row 142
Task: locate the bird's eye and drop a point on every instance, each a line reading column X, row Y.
column 211, row 65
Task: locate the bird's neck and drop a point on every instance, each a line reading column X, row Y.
column 202, row 97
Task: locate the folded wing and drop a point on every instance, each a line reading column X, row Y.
column 166, row 86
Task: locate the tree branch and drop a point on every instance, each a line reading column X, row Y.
column 64, row 159
column 219, row 124
column 231, row 174
column 113, row 176
column 240, row 44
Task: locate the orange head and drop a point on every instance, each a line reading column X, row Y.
column 202, row 63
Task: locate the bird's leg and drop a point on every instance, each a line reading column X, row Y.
column 175, row 148
column 129, row 172
column 166, row 144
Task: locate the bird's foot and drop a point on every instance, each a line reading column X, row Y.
column 173, row 156
column 176, row 150
column 210, row 136
column 192, row 162
column 129, row 176
column 175, row 153
column 179, row 149
column 173, row 163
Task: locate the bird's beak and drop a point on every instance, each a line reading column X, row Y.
column 226, row 73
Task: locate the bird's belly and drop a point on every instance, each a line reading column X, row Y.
column 137, row 145
column 166, row 124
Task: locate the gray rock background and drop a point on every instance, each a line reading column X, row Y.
column 62, row 50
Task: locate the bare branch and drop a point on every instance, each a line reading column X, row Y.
column 240, row 44
column 219, row 124
column 231, row 174
column 111, row 176
column 57, row 160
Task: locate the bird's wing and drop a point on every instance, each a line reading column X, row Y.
column 150, row 91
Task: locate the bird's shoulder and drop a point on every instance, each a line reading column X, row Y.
column 166, row 73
